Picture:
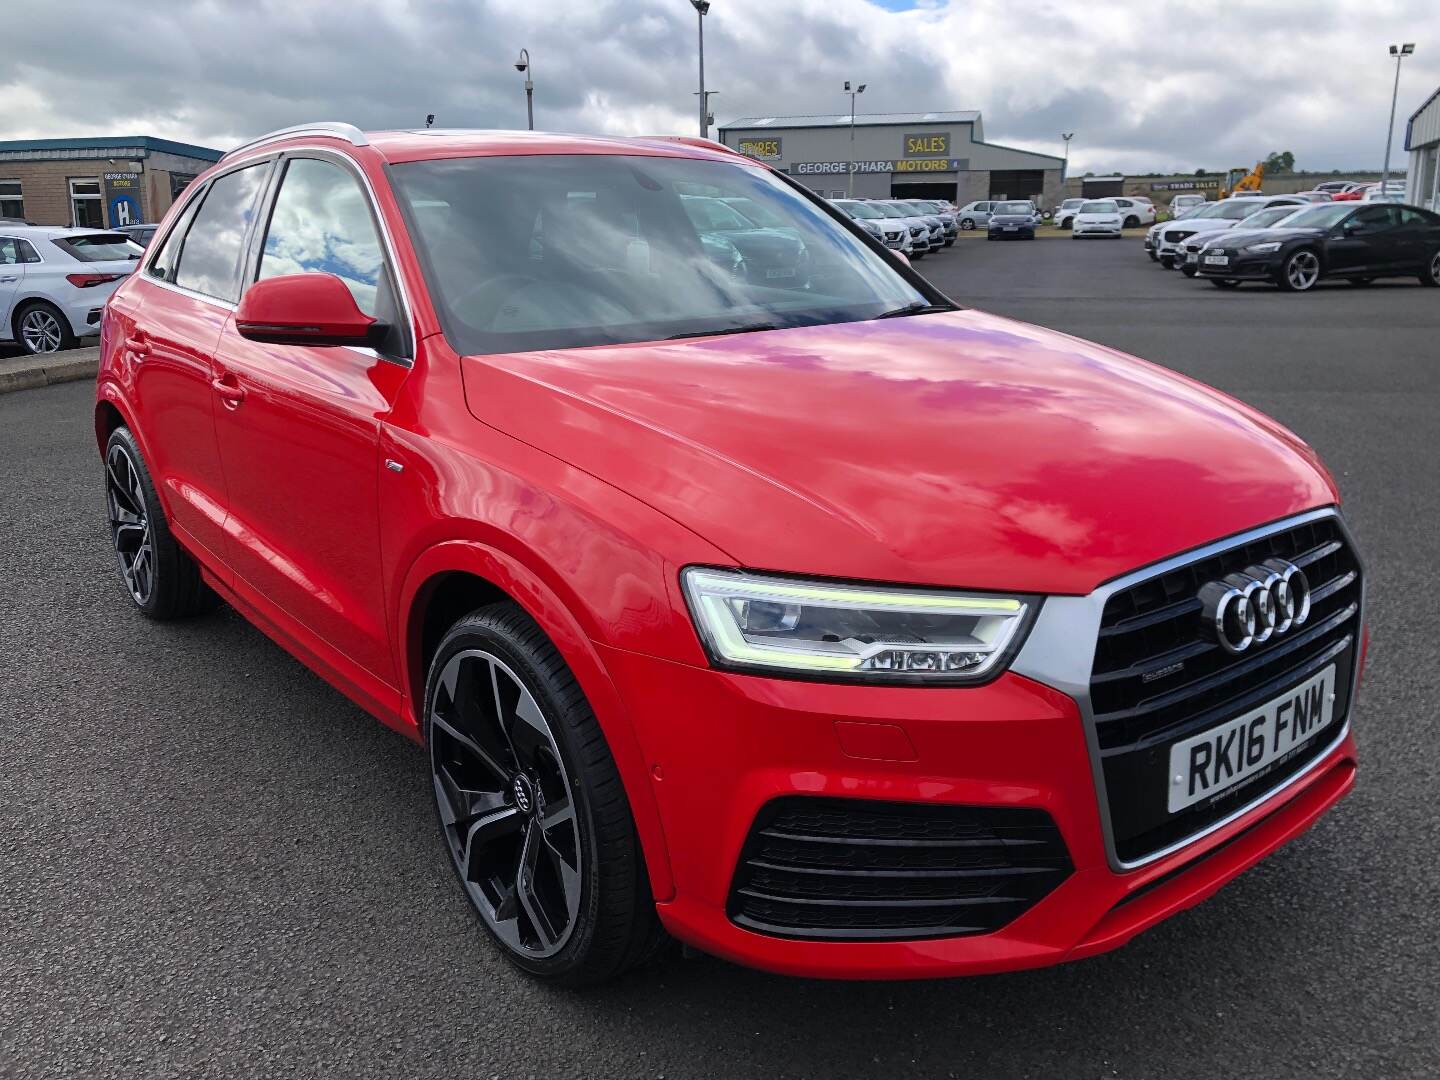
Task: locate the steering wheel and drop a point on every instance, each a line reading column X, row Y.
column 479, row 304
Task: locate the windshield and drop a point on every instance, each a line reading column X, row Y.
column 756, row 212
column 1234, row 211
column 1265, row 218
column 565, row 251
column 1105, row 207
column 1070, row 204
column 1321, row 217
column 891, row 211
column 99, row 247
column 1013, row 208
column 915, row 208
column 861, row 210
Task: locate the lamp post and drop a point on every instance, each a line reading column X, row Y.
column 1399, row 52
column 850, row 183
column 702, row 8
column 523, row 65
column 1065, row 168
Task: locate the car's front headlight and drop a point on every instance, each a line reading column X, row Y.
column 1266, row 248
column 852, row 632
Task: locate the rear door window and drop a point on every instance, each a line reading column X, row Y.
column 209, row 259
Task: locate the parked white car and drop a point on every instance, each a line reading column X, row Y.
column 1182, row 203
column 975, row 215
column 55, row 280
column 1136, row 210
column 1065, row 212
column 1212, row 217
column 1097, row 217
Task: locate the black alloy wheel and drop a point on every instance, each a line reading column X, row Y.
column 967, row 223
column 160, row 576
column 530, row 805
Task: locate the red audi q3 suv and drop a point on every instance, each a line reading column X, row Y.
column 739, row 584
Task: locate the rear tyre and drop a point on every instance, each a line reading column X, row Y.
column 1167, row 262
column 967, row 223
column 1132, row 222
column 161, row 578
column 530, row 805
column 1300, row 271
column 1430, row 276
column 41, row 328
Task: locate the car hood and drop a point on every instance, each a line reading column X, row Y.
column 958, row 449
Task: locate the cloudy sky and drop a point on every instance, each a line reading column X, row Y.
column 1147, row 85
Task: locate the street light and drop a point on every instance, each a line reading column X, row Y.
column 1065, row 167
column 1399, row 52
column 702, row 8
column 850, row 185
column 523, row 65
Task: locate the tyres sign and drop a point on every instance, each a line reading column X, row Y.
column 760, row 148
column 122, row 198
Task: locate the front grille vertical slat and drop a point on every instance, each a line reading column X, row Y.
column 1143, row 700
column 855, row 870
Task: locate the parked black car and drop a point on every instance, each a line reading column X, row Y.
column 1014, row 220
column 141, row 234
column 1357, row 241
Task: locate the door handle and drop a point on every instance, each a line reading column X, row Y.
column 231, row 393
column 138, row 344
column 8, row 280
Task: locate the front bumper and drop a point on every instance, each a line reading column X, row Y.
column 1241, row 268
column 722, row 746
column 1011, row 232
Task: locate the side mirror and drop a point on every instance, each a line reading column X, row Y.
column 304, row 309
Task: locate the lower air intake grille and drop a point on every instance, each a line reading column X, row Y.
column 856, row 870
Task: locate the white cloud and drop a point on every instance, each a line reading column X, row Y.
column 1171, row 83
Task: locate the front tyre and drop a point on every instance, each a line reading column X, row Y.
column 530, row 804
column 161, row 578
column 1300, row 271
column 967, row 223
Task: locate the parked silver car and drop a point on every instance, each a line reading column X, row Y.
column 975, row 215
column 889, row 231
column 918, row 227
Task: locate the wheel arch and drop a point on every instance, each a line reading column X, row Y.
column 452, row 578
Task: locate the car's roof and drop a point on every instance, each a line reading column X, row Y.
column 422, row 144
column 51, row 232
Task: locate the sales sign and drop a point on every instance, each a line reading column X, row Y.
column 934, row 144
column 1186, row 185
column 760, row 148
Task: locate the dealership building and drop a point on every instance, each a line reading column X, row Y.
column 1422, row 139
column 96, row 183
column 932, row 155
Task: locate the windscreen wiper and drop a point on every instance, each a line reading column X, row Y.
column 745, row 329
column 919, row 307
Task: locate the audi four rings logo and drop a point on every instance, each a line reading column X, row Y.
column 1260, row 602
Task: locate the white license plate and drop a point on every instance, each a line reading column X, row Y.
column 780, row 273
column 1217, row 260
column 1203, row 766
column 1010, row 228
column 1191, row 257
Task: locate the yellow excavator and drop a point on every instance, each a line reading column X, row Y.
column 1251, row 181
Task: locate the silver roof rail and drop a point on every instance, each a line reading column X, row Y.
column 349, row 132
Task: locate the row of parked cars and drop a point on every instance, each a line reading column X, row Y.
column 915, row 227
column 1295, row 242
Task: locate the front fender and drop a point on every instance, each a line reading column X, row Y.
column 564, row 631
